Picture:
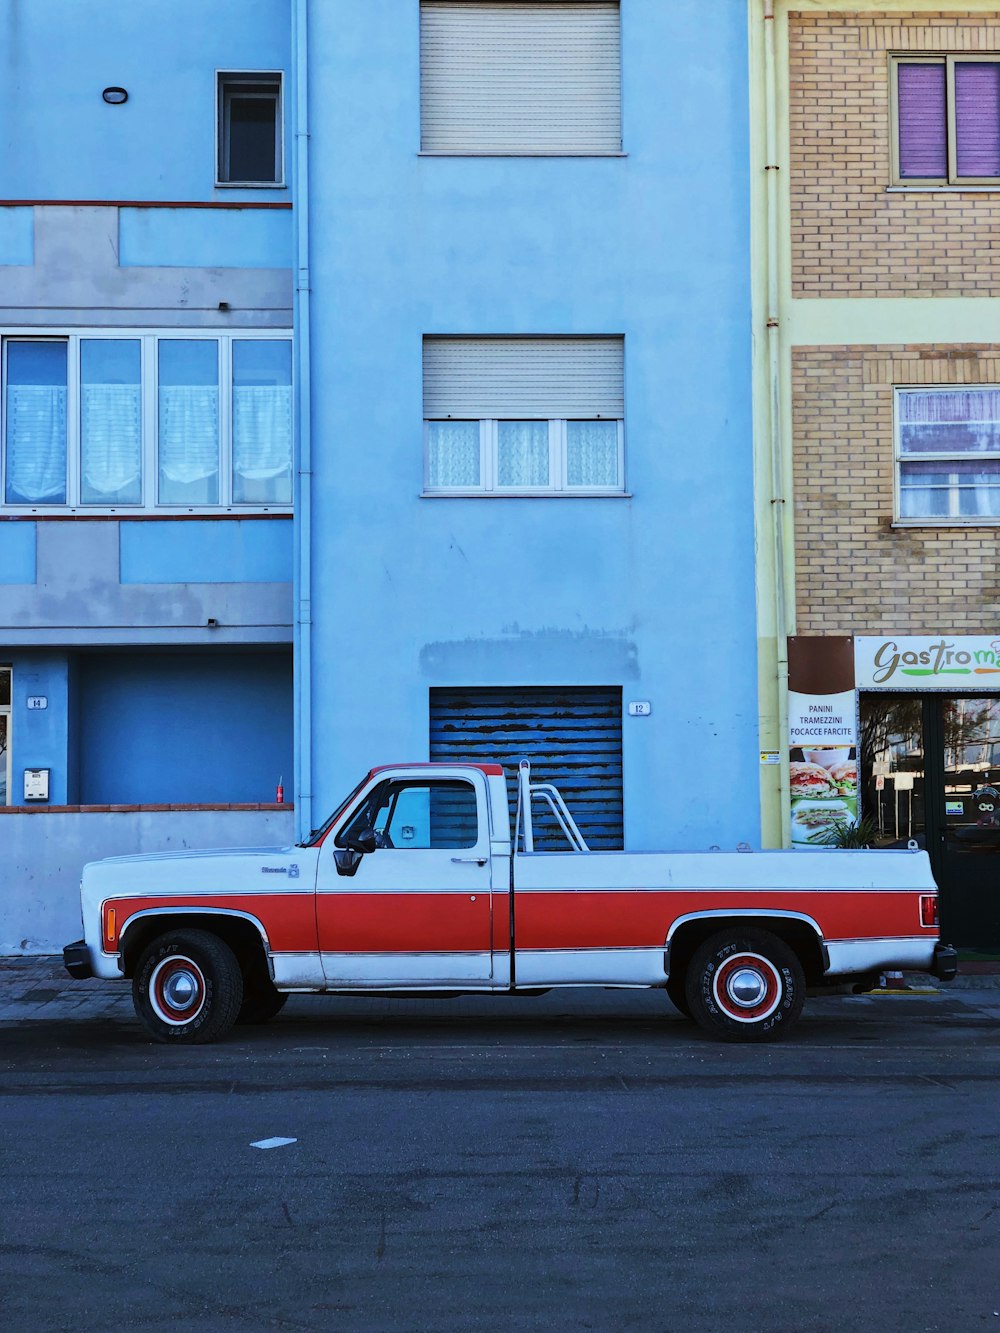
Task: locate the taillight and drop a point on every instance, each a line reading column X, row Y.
column 928, row 909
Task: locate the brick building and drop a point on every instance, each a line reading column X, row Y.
column 878, row 385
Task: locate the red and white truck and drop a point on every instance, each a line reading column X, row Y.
column 415, row 886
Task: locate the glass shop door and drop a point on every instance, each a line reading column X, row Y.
column 930, row 770
column 965, row 734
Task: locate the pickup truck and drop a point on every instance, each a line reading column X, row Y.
column 415, row 886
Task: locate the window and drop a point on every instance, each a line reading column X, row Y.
column 250, row 138
column 139, row 422
column 4, row 735
column 947, row 117
column 524, row 416
column 527, row 78
column 948, row 455
column 421, row 815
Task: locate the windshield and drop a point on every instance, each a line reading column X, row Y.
column 318, row 834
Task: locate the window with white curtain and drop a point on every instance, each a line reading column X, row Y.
column 146, row 421
column 35, row 421
column 948, row 455
column 524, row 416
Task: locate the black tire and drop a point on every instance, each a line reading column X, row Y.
column 260, row 1001
column 746, row 985
column 677, row 993
column 188, row 987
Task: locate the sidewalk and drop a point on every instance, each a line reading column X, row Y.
column 39, row 988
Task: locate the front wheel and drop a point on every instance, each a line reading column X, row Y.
column 188, row 987
column 746, row 985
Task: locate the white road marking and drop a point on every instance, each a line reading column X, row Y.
column 273, row 1143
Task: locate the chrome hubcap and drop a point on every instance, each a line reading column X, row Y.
column 180, row 989
column 746, row 988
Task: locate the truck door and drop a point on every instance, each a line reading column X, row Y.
column 416, row 910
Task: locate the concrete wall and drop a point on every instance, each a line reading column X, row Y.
column 219, row 728
column 62, row 141
column 653, row 592
column 44, row 854
column 79, row 276
column 111, row 220
column 150, row 582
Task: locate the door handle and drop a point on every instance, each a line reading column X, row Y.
column 469, row 860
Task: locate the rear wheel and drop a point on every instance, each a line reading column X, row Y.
column 746, row 985
column 188, row 987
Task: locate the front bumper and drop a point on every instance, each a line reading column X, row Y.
column 76, row 960
column 945, row 965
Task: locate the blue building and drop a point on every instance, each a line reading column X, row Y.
column 517, row 268
column 146, row 543
column 527, row 508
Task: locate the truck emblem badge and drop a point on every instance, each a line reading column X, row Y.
column 293, row 872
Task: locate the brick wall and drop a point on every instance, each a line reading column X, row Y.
column 855, row 572
column 849, row 236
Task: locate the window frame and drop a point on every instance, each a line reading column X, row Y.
column 226, row 79
column 488, row 467
column 149, row 341
column 402, row 779
column 951, row 519
column 949, row 60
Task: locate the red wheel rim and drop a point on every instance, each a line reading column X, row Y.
column 747, row 987
column 177, row 990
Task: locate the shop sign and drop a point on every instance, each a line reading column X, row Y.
column 924, row 662
column 821, row 719
column 822, row 739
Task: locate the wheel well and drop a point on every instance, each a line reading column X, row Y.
column 799, row 935
column 241, row 935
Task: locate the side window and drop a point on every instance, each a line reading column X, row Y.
column 418, row 815
column 250, row 140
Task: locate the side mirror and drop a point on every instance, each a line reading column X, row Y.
column 349, row 851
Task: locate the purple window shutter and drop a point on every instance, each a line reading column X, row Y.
column 977, row 119
column 923, row 122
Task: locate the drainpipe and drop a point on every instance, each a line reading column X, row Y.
column 302, row 593
column 778, row 479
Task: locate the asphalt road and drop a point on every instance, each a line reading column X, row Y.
column 574, row 1161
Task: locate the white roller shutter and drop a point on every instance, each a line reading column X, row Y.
column 518, row 77
column 475, row 378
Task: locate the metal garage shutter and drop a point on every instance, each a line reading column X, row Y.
column 518, row 378
column 508, row 76
column 572, row 736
